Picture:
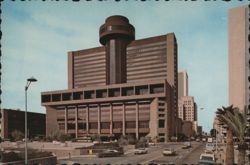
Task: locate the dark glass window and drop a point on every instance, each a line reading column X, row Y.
column 93, row 125
column 143, row 124
column 130, row 124
column 71, row 126
column 105, row 125
column 161, row 123
column 117, row 124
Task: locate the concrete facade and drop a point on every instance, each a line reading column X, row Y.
column 14, row 120
column 187, row 110
column 144, row 102
column 182, row 84
column 239, row 57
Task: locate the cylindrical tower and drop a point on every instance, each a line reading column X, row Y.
column 115, row 35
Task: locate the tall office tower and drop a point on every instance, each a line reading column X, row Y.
column 239, row 58
column 182, row 84
column 126, row 87
column 187, row 108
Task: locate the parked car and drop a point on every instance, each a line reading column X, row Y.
column 109, row 153
column 207, row 159
column 186, row 145
column 168, row 152
column 141, row 151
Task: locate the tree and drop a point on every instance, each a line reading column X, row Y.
column 213, row 132
column 236, row 124
column 17, row 135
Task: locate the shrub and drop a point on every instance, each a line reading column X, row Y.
column 17, row 135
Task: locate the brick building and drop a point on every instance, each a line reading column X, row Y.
column 14, row 120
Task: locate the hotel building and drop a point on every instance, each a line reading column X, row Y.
column 125, row 87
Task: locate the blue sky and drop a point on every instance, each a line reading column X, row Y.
column 38, row 35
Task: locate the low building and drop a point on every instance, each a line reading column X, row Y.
column 187, row 128
column 15, row 120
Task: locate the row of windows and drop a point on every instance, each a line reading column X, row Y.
column 103, row 93
column 105, row 125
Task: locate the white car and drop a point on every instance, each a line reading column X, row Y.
column 168, row 152
column 140, row 151
column 207, row 158
column 210, row 146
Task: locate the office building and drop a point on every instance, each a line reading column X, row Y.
column 125, row 87
column 14, row 120
column 187, row 108
column 182, row 84
column 239, row 57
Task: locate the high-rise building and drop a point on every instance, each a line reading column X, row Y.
column 182, row 84
column 187, row 108
column 239, row 57
column 125, row 87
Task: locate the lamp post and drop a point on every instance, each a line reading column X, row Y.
column 29, row 81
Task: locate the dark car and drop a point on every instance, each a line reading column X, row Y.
column 109, row 153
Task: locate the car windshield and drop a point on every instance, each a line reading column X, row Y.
column 168, row 149
column 206, row 158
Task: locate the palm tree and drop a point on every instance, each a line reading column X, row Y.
column 236, row 125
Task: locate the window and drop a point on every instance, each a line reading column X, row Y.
column 161, row 109
column 117, row 124
column 114, row 92
column 161, row 123
column 93, row 125
column 143, row 124
column 56, row 97
column 71, row 125
column 45, row 98
column 161, row 104
column 161, row 115
column 66, row 96
column 101, row 93
column 105, row 125
column 157, row 88
column 128, row 91
column 130, row 124
column 89, row 94
column 140, row 90
column 161, row 134
column 77, row 95
column 81, row 125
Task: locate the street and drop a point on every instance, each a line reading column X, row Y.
column 154, row 156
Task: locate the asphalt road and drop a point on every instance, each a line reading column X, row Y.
column 154, row 156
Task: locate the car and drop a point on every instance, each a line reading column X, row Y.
column 207, row 159
column 151, row 144
column 210, row 146
column 168, row 152
column 109, row 153
column 186, row 145
column 141, row 151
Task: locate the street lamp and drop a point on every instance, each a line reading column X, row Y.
column 29, row 81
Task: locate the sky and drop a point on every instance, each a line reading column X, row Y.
column 38, row 35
